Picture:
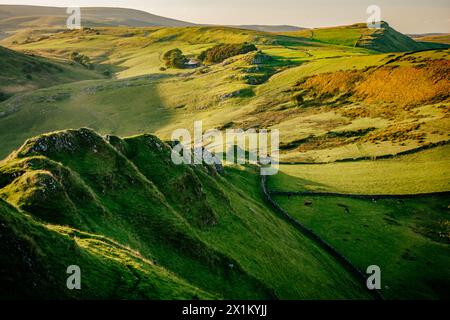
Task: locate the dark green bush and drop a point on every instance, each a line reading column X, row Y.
column 175, row 59
column 222, row 52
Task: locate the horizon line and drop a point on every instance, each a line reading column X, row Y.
column 210, row 24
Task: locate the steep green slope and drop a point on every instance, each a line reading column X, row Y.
column 210, row 230
column 35, row 256
column 21, row 72
column 388, row 39
column 426, row 171
column 384, row 39
column 380, row 100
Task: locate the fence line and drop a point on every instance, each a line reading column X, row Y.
column 358, row 196
column 349, row 266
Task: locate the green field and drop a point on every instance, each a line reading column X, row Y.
column 423, row 172
column 407, row 238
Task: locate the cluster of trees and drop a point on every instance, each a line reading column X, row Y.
column 81, row 59
column 222, row 52
column 4, row 96
column 175, row 59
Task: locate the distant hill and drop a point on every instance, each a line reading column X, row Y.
column 385, row 39
column 14, row 17
column 270, row 28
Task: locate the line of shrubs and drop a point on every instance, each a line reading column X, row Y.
column 221, row 52
column 175, row 59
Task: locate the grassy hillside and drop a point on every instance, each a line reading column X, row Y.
column 128, row 52
column 16, row 17
column 34, row 259
column 438, row 38
column 21, row 72
column 407, row 237
column 196, row 224
column 156, row 230
column 423, row 172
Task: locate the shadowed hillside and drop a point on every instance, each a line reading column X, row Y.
column 34, row 258
column 385, row 39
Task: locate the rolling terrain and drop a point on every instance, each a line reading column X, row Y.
column 16, row 17
column 403, row 237
column 364, row 128
column 272, row 89
column 420, row 172
column 124, row 202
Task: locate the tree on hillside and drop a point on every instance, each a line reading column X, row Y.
column 81, row 59
column 175, row 59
